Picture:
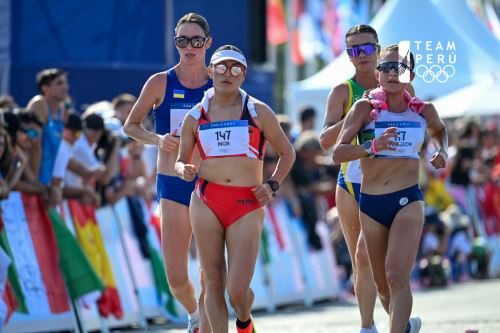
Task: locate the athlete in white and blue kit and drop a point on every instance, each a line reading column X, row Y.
column 391, row 127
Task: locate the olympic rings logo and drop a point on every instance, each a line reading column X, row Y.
column 435, row 72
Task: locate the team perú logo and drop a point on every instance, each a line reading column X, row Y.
column 434, row 60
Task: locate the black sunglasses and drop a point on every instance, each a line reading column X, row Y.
column 197, row 42
column 399, row 67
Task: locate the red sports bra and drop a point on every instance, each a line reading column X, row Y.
column 228, row 138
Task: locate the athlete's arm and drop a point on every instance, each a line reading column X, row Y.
column 151, row 95
column 439, row 135
column 277, row 138
column 344, row 151
column 336, row 102
column 183, row 167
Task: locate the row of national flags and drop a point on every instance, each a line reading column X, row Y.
column 315, row 28
column 48, row 259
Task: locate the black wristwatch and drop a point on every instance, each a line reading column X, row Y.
column 275, row 186
column 367, row 146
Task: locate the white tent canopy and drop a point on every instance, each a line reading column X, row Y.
column 459, row 14
column 479, row 99
column 405, row 20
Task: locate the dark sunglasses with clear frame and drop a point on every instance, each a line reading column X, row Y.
column 235, row 70
column 399, row 67
column 197, row 42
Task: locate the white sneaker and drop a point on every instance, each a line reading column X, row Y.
column 372, row 329
column 193, row 325
column 415, row 324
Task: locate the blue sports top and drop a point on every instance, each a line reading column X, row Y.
column 176, row 104
column 51, row 139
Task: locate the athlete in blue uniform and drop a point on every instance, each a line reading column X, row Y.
column 172, row 94
column 391, row 126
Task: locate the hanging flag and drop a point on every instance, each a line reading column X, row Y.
column 277, row 30
column 162, row 288
column 295, row 37
column 278, row 233
column 332, row 28
column 80, row 277
column 25, row 260
column 90, row 238
column 265, row 252
column 4, row 267
column 46, row 252
column 10, row 301
column 14, row 284
column 493, row 22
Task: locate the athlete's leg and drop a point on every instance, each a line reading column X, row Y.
column 376, row 236
column 176, row 237
column 365, row 289
column 242, row 241
column 364, row 286
column 404, row 238
column 204, row 323
column 209, row 235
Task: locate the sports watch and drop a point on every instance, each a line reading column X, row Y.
column 367, row 146
column 275, row 186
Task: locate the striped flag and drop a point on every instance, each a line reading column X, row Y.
column 28, row 269
column 47, row 253
column 297, row 12
column 14, row 286
column 161, row 283
column 90, row 238
column 277, row 30
column 78, row 273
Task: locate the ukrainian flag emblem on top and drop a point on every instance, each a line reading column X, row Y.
column 178, row 93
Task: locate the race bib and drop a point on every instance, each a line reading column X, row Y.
column 224, row 138
column 410, row 137
column 177, row 113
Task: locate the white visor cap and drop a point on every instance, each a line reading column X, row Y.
column 228, row 55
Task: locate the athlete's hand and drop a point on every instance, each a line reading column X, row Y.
column 438, row 160
column 263, row 193
column 367, row 93
column 385, row 142
column 169, row 142
column 188, row 172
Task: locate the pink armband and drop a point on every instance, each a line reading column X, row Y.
column 374, row 150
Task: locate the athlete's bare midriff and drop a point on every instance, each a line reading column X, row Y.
column 232, row 171
column 386, row 175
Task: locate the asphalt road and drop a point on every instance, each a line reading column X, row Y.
column 455, row 309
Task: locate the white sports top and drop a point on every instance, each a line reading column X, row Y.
column 411, row 128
